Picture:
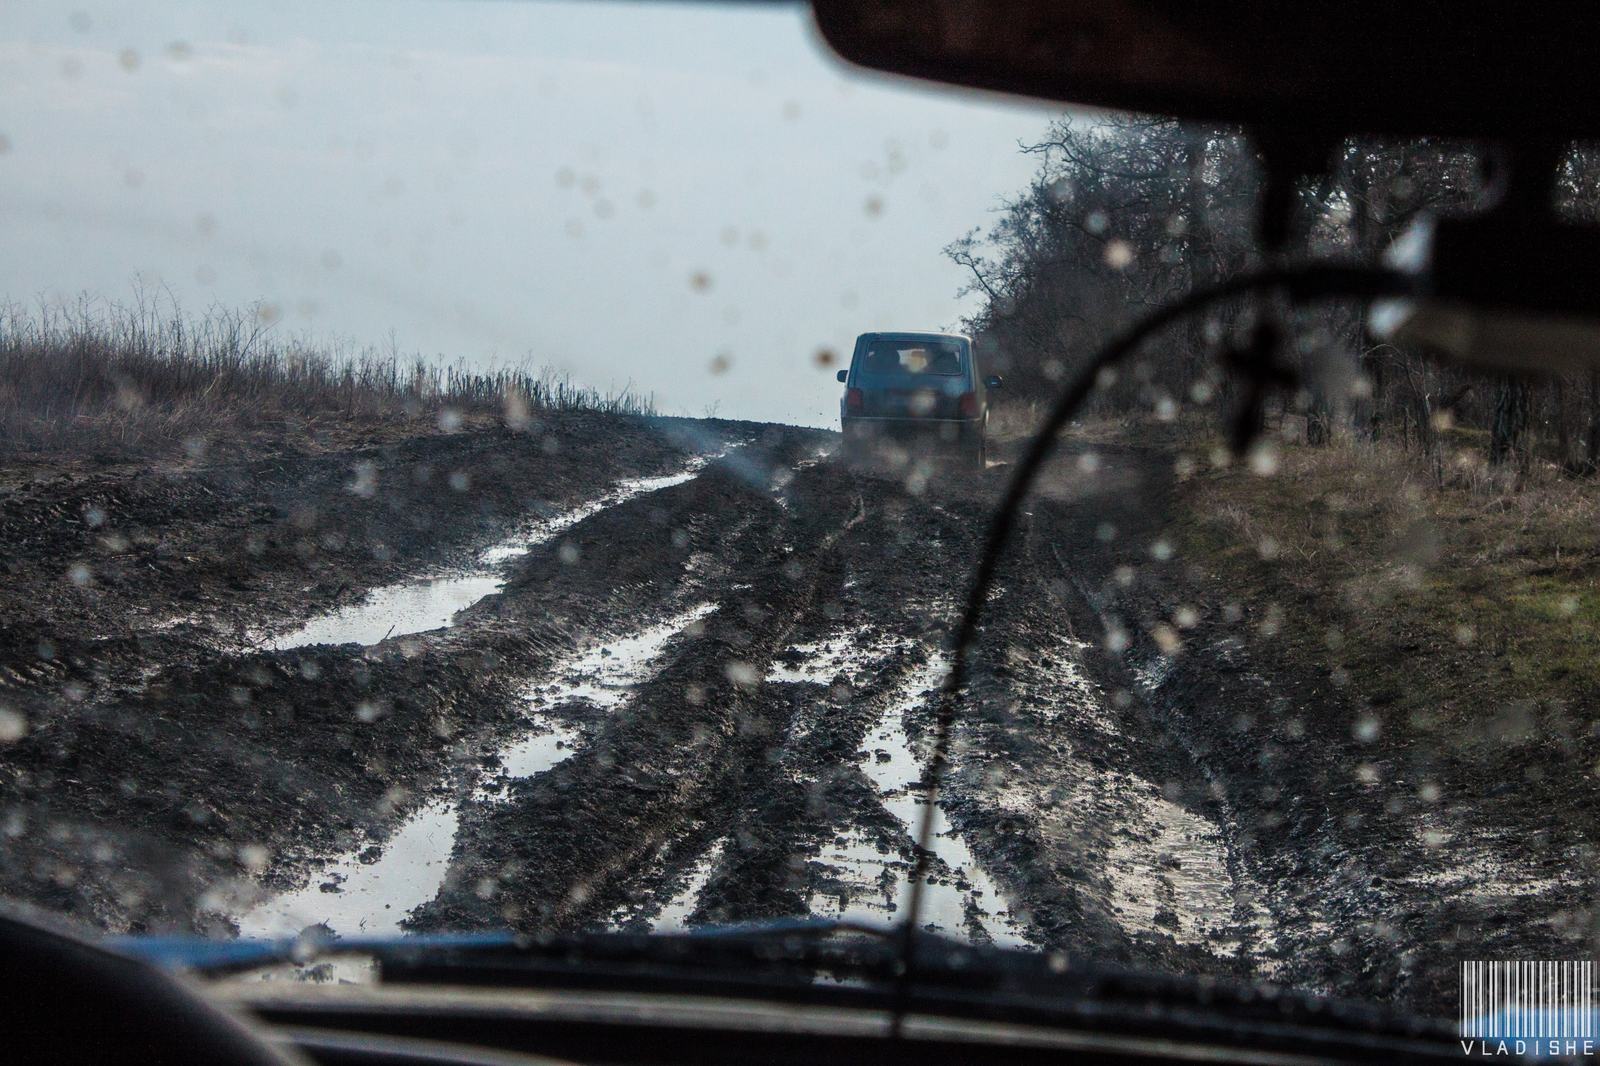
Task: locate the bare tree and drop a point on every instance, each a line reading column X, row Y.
column 1126, row 213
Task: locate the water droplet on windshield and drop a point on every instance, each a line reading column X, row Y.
column 1264, row 459
column 1166, row 639
column 742, row 674
column 13, row 726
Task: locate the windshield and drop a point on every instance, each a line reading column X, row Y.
column 424, row 507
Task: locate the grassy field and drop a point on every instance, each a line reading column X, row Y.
column 1438, row 591
column 110, row 381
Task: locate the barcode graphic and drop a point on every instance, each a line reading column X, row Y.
column 1537, row 1000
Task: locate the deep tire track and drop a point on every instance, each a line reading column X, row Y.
column 656, row 765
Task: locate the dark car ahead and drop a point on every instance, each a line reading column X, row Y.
column 924, row 386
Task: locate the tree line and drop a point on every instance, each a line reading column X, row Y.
column 1126, row 213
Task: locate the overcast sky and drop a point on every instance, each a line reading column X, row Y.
column 629, row 192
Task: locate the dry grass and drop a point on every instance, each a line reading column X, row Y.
column 1441, row 588
column 1014, row 417
column 119, row 381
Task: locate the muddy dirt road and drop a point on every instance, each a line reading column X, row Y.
column 640, row 675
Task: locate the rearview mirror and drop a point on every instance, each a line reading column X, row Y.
column 1500, row 68
column 993, row 381
column 841, row 375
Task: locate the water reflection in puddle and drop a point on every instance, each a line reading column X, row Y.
column 878, row 877
column 374, row 896
column 539, row 532
column 422, row 604
column 393, row 611
column 371, row 897
column 530, row 756
column 674, row 916
column 606, row 675
column 1168, row 871
column 1171, row 875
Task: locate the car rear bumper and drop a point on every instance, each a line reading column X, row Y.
column 951, row 430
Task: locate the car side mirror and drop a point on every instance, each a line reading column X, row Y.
column 993, row 381
column 841, row 375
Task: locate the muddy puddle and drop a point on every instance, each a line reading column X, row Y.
column 1171, row 874
column 960, row 898
column 1169, row 869
column 395, row 611
column 427, row 603
column 532, row 755
column 606, row 675
column 372, row 889
column 820, row 662
column 352, row 896
column 674, row 917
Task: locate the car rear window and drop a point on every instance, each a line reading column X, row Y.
column 895, row 358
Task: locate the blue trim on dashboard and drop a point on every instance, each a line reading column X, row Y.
column 202, row 953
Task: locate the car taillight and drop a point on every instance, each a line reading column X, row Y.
column 854, row 400
column 969, row 405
